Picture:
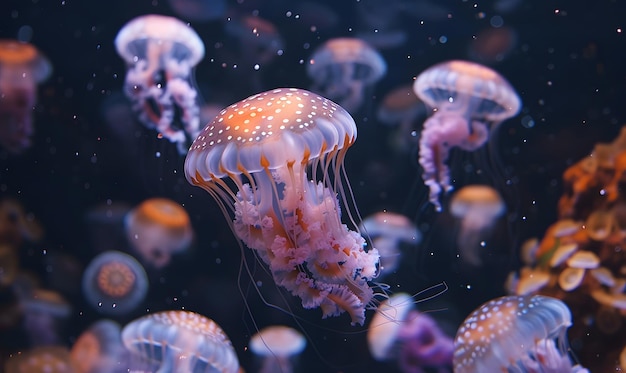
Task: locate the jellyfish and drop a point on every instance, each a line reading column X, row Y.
column 401, row 107
column 22, row 67
column 514, row 334
column 278, row 348
column 478, row 207
column 181, row 341
column 158, row 228
column 49, row 359
column 45, row 312
column 161, row 52
column 268, row 145
column 388, row 231
column 493, row 45
column 467, row 99
column 99, row 348
column 343, row 68
column 114, row 283
column 412, row 339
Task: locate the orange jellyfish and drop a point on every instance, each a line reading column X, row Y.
column 22, row 67
column 515, row 334
column 99, row 348
column 158, row 228
column 49, row 359
column 160, row 52
column 478, row 207
column 342, row 69
column 467, row 99
column 268, row 145
column 181, row 341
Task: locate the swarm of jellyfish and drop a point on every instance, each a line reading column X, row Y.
column 580, row 258
column 180, row 341
column 515, row 334
column 343, row 68
column 467, row 100
column 161, row 52
column 273, row 147
column 22, row 67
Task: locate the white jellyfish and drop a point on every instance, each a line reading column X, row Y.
column 160, row 52
column 478, row 207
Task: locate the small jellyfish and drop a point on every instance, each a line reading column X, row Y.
column 267, row 145
column 158, row 228
column 48, row 359
column 493, row 45
column 278, row 348
column 388, row 231
column 199, row 10
column 45, row 313
column 412, row 339
column 467, row 99
column 478, row 207
column 99, row 348
column 114, row 283
column 343, row 68
column 511, row 333
column 401, row 107
column 181, row 341
column 22, row 67
column 161, row 52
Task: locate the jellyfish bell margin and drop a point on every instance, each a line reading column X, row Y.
column 266, row 146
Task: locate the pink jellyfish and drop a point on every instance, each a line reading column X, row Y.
column 160, row 52
column 467, row 99
column 21, row 67
column 342, row 68
column 515, row 334
column 266, row 145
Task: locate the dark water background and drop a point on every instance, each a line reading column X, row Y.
column 568, row 67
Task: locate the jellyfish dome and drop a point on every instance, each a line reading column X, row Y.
column 22, row 67
column 114, row 283
column 181, row 341
column 49, row 359
column 158, row 228
column 160, row 52
column 99, row 348
column 265, row 145
column 278, row 346
column 502, row 334
column 467, row 100
column 342, row 68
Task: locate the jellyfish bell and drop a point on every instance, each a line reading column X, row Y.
column 267, row 146
column 114, row 283
column 157, row 229
column 181, row 341
column 22, row 67
column 99, row 348
column 52, row 359
column 343, row 68
column 468, row 101
column 277, row 347
column 199, row 10
column 478, row 207
column 161, row 52
column 503, row 334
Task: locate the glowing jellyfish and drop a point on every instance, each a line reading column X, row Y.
column 114, row 283
column 400, row 333
column 266, row 145
column 388, row 231
column 160, row 52
column 48, row 359
column 22, row 67
column 99, row 348
column 467, row 100
column 506, row 334
column 278, row 348
column 158, row 228
column 181, row 341
column 478, row 207
column 342, row 69
column 199, row 10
